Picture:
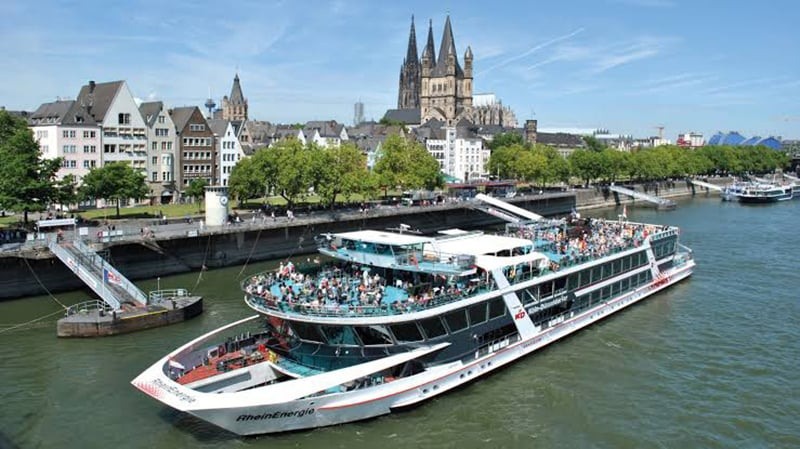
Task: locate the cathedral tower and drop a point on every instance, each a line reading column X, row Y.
column 235, row 107
column 408, row 91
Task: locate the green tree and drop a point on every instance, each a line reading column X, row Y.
column 66, row 191
column 406, row 164
column 27, row 181
column 585, row 165
column 592, row 144
column 503, row 161
column 506, row 140
column 291, row 161
column 246, row 181
column 116, row 181
column 197, row 191
column 338, row 171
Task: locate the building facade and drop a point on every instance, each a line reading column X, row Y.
column 161, row 147
column 234, row 107
column 65, row 129
column 461, row 153
column 229, row 149
column 197, row 154
column 488, row 110
column 408, row 90
column 124, row 133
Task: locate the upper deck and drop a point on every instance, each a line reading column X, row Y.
column 382, row 274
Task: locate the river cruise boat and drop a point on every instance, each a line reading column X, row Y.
column 758, row 192
column 387, row 320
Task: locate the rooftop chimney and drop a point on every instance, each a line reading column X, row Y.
column 91, row 86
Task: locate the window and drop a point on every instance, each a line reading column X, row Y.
column 154, row 160
column 197, row 127
column 477, row 314
column 307, row 331
column 161, row 119
column 124, row 119
column 456, row 320
column 162, row 132
column 433, row 327
column 89, row 134
column 109, row 148
column 335, row 335
column 154, row 146
column 85, row 164
column 497, row 308
column 406, row 332
column 93, row 164
column 154, row 176
column 374, row 335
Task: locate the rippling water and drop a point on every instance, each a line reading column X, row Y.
column 712, row 363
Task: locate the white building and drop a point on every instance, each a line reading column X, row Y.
column 226, row 135
column 691, row 140
column 325, row 134
column 161, row 147
column 124, row 133
column 65, row 129
column 459, row 151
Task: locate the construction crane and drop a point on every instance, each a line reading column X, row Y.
column 660, row 129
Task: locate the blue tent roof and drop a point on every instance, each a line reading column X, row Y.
column 771, row 142
column 732, row 138
column 715, row 139
column 752, row 141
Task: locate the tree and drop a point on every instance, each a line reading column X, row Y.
column 291, row 162
column 197, row 190
column 506, row 140
column 503, row 161
column 406, row 164
column 116, row 181
column 66, row 190
column 27, row 181
column 338, row 171
column 592, row 144
column 585, row 164
column 246, row 180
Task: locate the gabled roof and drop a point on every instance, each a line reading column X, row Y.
column 51, row 113
column 78, row 115
column 181, row 116
column 217, row 126
column 325, row 128
column 97, row 97
column 150, row 111
column 405, row 116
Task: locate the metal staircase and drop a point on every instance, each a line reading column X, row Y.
column 502, row 210
column 114, row 288
column 662, row 203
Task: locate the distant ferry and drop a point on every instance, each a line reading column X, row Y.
column 395, row 319
column 758, row 192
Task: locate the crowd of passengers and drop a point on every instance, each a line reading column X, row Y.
column 336, row 288
column 595, row 238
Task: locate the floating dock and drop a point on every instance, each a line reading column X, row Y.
column 122, row 307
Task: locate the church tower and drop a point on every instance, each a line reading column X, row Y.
column 445, row 88
column 235, row 107
column 408, row 91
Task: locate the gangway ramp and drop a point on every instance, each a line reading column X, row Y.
column 503, row 210
column 112, row 287
column 707, row 185
column 791, row 178
column 661, row 203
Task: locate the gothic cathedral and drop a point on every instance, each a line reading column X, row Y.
column 235, row 107
column 439, row 88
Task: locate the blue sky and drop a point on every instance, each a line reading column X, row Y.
column 627, row 65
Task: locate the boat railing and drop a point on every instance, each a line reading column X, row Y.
column 267, row 302
column 88, row 307
column 157, row 296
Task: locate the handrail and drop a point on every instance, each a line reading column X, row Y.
column 101, row 263
column 156, row 296
column 91, row 279
column 88, row 306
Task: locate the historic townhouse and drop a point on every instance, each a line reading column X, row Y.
column 124, row 133
column 161, row 147
column 64, row 129
column 197, row 154
column 226, row 134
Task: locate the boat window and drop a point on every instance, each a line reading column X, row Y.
column 497, row 308
column 545, row 289
column 597, row 274
column 477, row 313
column 616, row 267
column 606, row 292
column 406, row 332
column 374, row 335
column 559, row 283
column 626, row 263
column 433, row 327
column 626, row 284
column 574, row 281
column 307, row 331
column 615, row 289
column 340, row 335
column 456, row 320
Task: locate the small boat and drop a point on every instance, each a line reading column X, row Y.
column 758, row 193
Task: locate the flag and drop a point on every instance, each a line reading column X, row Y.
column 109, row 277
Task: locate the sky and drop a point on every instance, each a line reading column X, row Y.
column 625, row 65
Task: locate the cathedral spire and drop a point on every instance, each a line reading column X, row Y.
column 236, row 91
column 430, row 50
column 411, row 53
column 448, row 47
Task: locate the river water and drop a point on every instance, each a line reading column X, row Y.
column 713, row 362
